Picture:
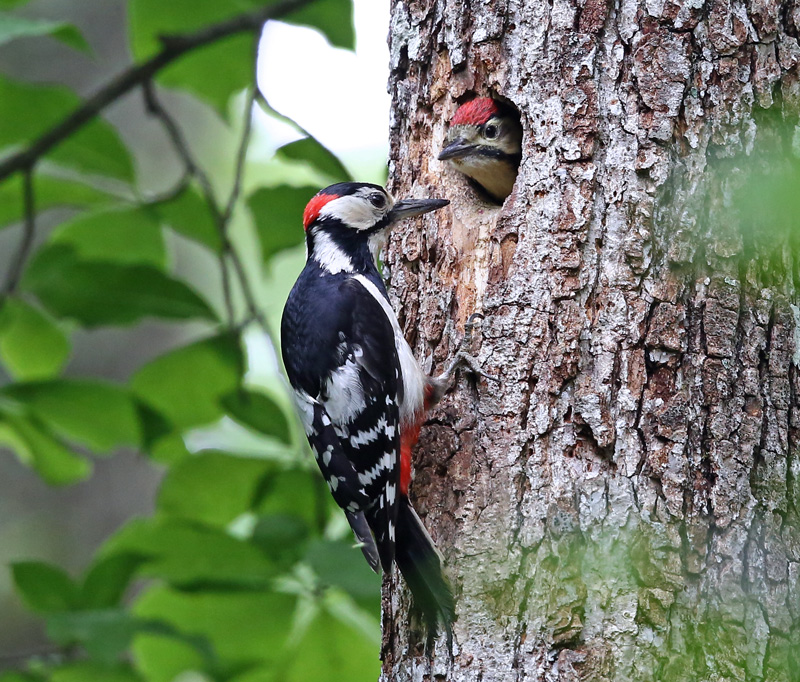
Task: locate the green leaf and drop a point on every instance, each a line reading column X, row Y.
column 186, row 385
column 342, row 565
column 294, row 491
column 71, row 36
column 258, row 411
column 12, row 676
column 38, row 448
column 192, row 556
column 128, row 235
column 92, row 671
column 98, row 415
column 278, row 212
column 105, row 633
column 98, row 293
column 334, row 18
column 211, row 487
column 50, row 192
column 160, row 439
column 13, row 26
column 31, row 344
column 333, row 650
column 282, row 537
column 241, row 627
column 189, row 214
column 323, row 159
column 213, row 72
column 95, row 148
column 163, row 659
column 108, row 579
column 44, row 587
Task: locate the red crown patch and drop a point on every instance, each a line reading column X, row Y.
column 476, row 112
column 315, row 206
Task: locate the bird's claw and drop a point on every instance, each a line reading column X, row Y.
column 470, row 362
column 463, row 358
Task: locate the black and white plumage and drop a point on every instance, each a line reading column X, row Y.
column 357, row 385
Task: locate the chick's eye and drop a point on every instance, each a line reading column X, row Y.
column 490, row 131
column 378, row 200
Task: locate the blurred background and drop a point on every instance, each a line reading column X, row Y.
column 338, row 96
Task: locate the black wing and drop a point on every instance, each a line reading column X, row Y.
column 339, row 351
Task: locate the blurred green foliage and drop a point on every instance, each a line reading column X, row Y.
column 245, row 572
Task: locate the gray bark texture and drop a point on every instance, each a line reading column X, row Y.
column 625, row 503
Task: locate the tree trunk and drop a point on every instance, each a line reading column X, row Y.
column 623, row 504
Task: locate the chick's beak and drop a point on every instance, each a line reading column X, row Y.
column 456, row 149
column 408, row 208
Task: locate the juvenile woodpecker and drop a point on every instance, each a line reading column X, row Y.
column 484, row 142
column 360, row 393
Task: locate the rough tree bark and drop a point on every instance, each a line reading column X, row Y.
column 624, row 504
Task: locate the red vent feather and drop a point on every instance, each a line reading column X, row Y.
column 315, row 206
column 476, row 112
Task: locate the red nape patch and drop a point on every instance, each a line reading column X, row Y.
column 476, row 112
column 315, row 206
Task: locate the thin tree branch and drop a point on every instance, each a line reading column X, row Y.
column 181, row 147
column 29, row 231
column 173, row 48
column 241, row 156
column 249, row 297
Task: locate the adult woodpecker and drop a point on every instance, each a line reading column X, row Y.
column 484, row 142
column 360, row 393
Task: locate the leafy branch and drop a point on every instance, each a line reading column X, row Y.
column 221, row 217
column 173, row 48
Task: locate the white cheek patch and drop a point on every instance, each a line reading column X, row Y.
column 353, row 211
column 330, row 257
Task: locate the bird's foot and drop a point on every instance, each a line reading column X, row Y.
column 463, row 359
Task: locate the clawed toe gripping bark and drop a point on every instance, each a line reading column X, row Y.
column 462, row 359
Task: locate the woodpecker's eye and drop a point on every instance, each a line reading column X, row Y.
column 490, row 132
column 377, row 200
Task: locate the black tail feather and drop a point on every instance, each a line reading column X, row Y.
column 358, row 522
column 421, row 565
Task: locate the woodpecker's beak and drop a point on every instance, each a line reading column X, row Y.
column 408, row 208
column 456, row 150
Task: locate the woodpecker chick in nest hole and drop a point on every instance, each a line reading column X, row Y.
column 484, row 142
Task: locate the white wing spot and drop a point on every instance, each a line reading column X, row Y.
column 390, row 491
column 333, row 483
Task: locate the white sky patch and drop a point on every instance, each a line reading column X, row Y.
column 338, row 96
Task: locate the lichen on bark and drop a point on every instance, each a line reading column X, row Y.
column 624, row 503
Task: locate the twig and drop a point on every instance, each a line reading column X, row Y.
column 173, row 48
column 180, row 144
column 241, row 156
column 181, row 147
column 249, row 297
column 238, row 266
column 29, row 231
